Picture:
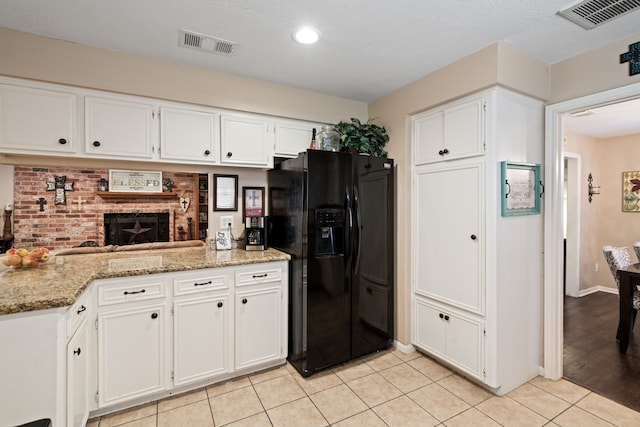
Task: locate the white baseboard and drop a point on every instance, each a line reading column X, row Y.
column 404, row 348
column 595, row 289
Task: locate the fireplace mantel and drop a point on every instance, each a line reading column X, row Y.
column 136, row 195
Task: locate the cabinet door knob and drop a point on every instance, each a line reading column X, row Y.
column 446, row 317
column 81, row 309
column 229, row 154
column 154, row 315
column 62, row 141
column 474, row 237
column 441, row 152
column 441, row 316
column 78, row 351
column 220, row 304
column 96, row 143
column 244, row 300
column 207, row 152
column 445, row 151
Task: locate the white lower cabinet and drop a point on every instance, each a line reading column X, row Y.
column 202, row 326
column 176, row 331
column 258, row 325
column 450, row 335
column 77, row 377
column 131, row 356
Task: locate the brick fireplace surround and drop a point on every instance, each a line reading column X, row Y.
column 65, row 226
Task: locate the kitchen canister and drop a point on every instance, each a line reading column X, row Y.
column 328, row 139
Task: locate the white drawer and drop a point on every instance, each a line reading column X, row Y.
column 255, row 276
column 130, row 290
column 77, row 313
column 202, row 282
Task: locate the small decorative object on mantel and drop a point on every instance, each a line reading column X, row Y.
column 633, row 58
column 60, row 187
column 167, row 185
column 366, row 138
column 103, row 184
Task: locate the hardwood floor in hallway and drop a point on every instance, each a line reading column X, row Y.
column 591, row 357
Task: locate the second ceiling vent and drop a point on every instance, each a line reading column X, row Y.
column 592, row 13
column 207, row 43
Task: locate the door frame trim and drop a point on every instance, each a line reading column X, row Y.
column 553, row 242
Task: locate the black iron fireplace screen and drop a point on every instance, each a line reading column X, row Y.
column 133, row 228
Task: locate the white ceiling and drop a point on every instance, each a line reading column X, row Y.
column 606, row 121
column 367, row 48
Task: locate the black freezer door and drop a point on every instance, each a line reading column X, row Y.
column 373, row 276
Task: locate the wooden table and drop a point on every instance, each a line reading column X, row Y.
column 629, row 278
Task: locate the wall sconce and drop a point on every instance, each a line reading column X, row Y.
column 593, row 189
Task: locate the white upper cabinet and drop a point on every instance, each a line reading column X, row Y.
column 187, row 134
column 118, row 128
column 38, row 121
column 450, row 133
column 245, row 141
column 293, row 137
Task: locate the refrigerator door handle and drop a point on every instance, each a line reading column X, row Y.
column 356, row 230
column 348, row 234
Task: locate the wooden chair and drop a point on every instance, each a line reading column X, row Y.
column 619, row 257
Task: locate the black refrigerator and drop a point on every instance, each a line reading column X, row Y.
column 334, row 214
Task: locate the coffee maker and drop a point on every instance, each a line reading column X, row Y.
column 255, row 233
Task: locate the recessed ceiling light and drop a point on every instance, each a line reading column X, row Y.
column 306, row 35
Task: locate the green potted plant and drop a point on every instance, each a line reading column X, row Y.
column 359, row 137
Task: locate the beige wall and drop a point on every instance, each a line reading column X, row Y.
column 590, row 251
column 592, row 72
column 498, row 64
column 40, row 58
column 602, row 221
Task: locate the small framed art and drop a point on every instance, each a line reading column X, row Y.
column 252, row 201
column 225, row 192
column 521, row 188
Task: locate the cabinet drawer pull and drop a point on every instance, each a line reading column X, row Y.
column 220, row 304
column 96, row 143
column 81, row 309
column 154, row 315
column 62, row 141
column 78, row 351
column 202, row 284
column 134, row 292
column 258, row 276
column 244, row 300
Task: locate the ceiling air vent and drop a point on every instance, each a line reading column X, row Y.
column 592, row 13
column 207, row 43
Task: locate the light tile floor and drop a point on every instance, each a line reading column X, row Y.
column 386, row 389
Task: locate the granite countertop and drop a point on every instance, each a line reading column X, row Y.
column 59, row 282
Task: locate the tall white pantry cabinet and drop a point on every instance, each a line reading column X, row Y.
column 476, row 275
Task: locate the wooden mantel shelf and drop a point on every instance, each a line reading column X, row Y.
column 136, row 195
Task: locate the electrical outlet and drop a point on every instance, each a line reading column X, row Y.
column 597, row 266
column 225, row 220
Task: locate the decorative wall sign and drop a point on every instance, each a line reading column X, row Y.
column 631, row 191
column 520, row 189
column 60, row 186
column 184, row 203
column 633, row 58
column 135, row 181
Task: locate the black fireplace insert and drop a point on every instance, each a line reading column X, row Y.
column 136, row 227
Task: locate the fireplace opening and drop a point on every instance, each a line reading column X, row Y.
column 135, row 227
